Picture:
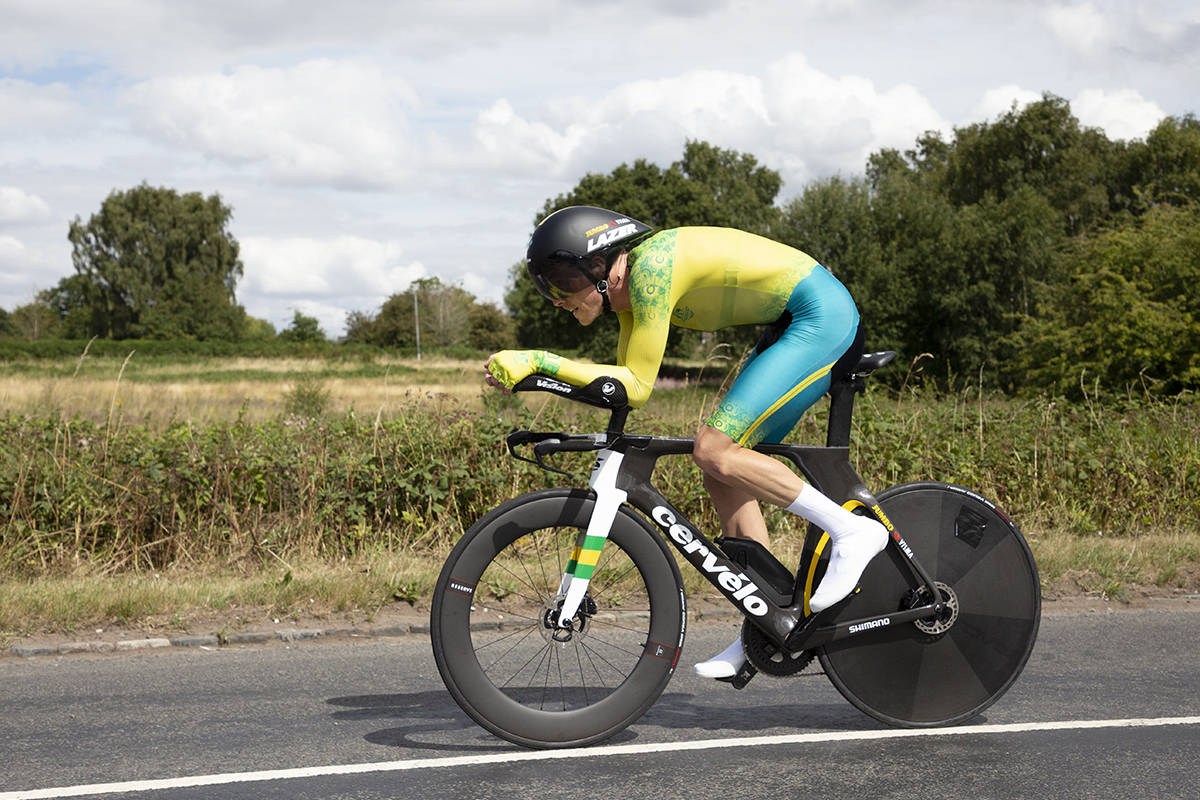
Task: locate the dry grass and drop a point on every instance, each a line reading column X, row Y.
column 165, row 391
column 167, row 600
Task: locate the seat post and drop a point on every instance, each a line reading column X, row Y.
column 841, row 409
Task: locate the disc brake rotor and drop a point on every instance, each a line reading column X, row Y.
column 943, row 622
column 579, row 626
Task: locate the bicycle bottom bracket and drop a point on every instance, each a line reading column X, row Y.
column 767, row 656
column 945, row 619
column 576, row 628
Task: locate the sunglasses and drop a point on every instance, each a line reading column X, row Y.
column 561, row 279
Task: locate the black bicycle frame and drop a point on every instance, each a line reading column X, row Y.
column 781, row 618
column 775, row 616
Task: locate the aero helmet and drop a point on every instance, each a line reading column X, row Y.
column 576, row 246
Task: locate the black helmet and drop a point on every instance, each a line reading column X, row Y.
column 574, row 247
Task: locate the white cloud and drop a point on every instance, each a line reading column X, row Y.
column 509, row 143
column 1120, row 34
column 1000, row 100
column 823, row 124
column 347, row 265
column 12, row 250
column 323, row 122
column 18, row 206
column 1123, row 114
column 33, row 108
column 27, row 268
column 1081, row 27
column 796, row 118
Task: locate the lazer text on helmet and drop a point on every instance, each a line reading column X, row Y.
column 614, row 235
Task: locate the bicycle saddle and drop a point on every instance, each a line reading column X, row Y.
column 873, row 361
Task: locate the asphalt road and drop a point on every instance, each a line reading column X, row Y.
column 305, row 716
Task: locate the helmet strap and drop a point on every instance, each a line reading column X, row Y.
column 602, row 288
column 601, row 285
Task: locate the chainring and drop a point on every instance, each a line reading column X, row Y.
column 766, row 656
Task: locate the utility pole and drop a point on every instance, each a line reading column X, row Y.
column 417, row 322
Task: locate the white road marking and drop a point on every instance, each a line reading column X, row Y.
column 586, row 752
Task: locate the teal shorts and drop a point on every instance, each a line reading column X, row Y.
column 793, row 365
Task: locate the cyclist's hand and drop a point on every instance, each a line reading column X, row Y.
column 509, row 367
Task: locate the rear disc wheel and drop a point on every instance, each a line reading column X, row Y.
column 944, row 670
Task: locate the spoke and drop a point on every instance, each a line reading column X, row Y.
column 593, row 640
column 541, row 650
column 523, row 633
column 582, row 677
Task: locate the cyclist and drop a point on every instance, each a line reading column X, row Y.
column 590, row 261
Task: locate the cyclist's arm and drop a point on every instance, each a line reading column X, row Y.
column 639, row 355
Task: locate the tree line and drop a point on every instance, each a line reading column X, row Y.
column 159, row 265
column 1029, row 253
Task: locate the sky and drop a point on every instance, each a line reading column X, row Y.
column 368, row 143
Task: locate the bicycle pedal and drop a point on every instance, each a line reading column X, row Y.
column 742, row 677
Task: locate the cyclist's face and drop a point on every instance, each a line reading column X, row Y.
column 586, row 305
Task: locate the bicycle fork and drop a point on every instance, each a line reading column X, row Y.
column 578, row 574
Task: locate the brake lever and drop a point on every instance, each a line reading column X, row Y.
column 522, row 438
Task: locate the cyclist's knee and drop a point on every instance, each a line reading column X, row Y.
column 712, row 452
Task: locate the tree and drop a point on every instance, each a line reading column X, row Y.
column 69, row 303
column 34, row 321
column 490, row 328
column 1040, row 147
column 708, row 186
column 1129, row 316
column 448, row 316
column 257, row 330
column 303, row 329
column 158, row 264
column 1166, row 167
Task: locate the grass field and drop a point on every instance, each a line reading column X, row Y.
column 147, row 491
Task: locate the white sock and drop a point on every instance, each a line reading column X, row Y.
column 724, row 665
column 855, row 541
column 828, row 515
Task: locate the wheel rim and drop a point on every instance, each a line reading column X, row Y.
column 955, row 668
column 518, row 675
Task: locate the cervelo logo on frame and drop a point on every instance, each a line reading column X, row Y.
column 739, row 584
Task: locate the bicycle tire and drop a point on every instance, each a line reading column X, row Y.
column 491, row 639
column 908, row 677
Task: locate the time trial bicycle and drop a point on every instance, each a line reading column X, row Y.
column 559, row 617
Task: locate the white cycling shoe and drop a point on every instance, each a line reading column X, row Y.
column 725, row 665
column 849, row 558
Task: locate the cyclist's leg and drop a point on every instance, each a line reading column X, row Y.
column 764, row 404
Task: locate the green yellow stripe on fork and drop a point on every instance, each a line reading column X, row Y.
column 584, row 557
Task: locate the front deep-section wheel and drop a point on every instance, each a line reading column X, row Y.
column 947, row 670
column 507, row 663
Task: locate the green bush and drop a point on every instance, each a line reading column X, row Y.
column 132, row 496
